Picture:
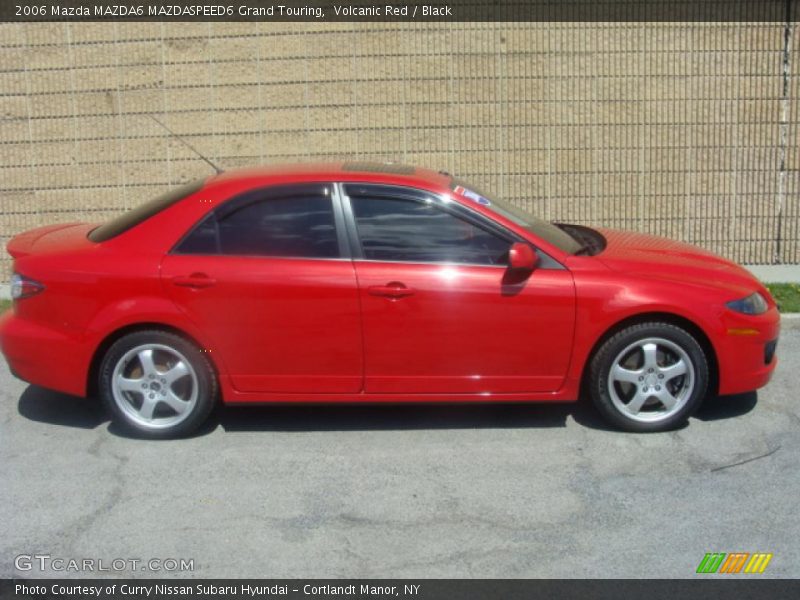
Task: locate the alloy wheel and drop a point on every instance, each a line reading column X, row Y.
column 651, row 380
column 155, row 386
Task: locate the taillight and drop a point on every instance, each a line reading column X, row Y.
column 23, row 287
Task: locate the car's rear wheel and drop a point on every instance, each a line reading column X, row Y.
column 157, row 384
column 649, row 377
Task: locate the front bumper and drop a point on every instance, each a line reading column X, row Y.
column 746, row 351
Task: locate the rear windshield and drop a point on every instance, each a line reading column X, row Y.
column 141, row 213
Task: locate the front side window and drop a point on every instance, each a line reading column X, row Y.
column 294, row 221
column 419, row 230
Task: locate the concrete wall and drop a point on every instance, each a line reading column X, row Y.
column 688, row 130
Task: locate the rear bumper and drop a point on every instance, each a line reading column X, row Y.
column 746, row 351
column 42, row 356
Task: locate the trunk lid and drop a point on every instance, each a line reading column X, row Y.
column 65, row 236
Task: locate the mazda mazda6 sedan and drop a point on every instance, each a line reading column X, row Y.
column 362, row 282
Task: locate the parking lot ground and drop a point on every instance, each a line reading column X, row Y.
column 406, row 491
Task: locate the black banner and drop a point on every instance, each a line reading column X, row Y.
column 739, row 587
column 399, row 11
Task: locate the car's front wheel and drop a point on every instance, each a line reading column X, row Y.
column 157, row 384
column 649, row 377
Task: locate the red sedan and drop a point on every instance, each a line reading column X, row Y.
column 360, row 282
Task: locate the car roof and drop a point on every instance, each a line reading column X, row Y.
column 389, row 172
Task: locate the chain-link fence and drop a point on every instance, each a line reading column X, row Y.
column 688, row 130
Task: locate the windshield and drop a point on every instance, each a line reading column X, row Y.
column 543, row 229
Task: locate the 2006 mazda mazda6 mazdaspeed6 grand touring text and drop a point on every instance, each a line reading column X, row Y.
column 359, row 282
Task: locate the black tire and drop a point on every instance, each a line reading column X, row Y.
column 671, row 343
column 198, row 385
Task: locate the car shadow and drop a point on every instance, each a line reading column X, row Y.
column 46, row 406
column 382, row 417
column 716, row 408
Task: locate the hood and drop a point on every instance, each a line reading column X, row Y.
column 653, row 256
column 41, row 240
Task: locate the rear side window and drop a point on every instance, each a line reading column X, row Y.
column 295, row 221
column 132, row 218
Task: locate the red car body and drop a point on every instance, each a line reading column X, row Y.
column 300, row 330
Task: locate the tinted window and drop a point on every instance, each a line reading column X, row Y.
column 141, row 213
column 418, row 231
column 297, row 223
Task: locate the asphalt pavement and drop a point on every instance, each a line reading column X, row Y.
column 402, row 491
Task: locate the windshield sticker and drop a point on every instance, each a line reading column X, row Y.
column 472, row 195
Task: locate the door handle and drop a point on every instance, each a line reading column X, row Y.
column 395, row 290
column 195, row 280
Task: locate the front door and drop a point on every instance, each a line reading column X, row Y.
column 440, row 313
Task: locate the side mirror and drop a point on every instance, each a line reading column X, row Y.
column 521, row 257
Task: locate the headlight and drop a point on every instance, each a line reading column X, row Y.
column 754, row 304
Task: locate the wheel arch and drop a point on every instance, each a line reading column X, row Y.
column 661, row 317
column 113, row 336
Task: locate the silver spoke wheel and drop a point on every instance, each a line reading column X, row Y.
column 651, row 380
column 155, row 386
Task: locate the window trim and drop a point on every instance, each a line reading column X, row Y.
column 254, row 195
column 346, row 230
column 444, row 203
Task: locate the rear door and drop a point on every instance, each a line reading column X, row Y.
column 440, row 312
column 267, row 276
